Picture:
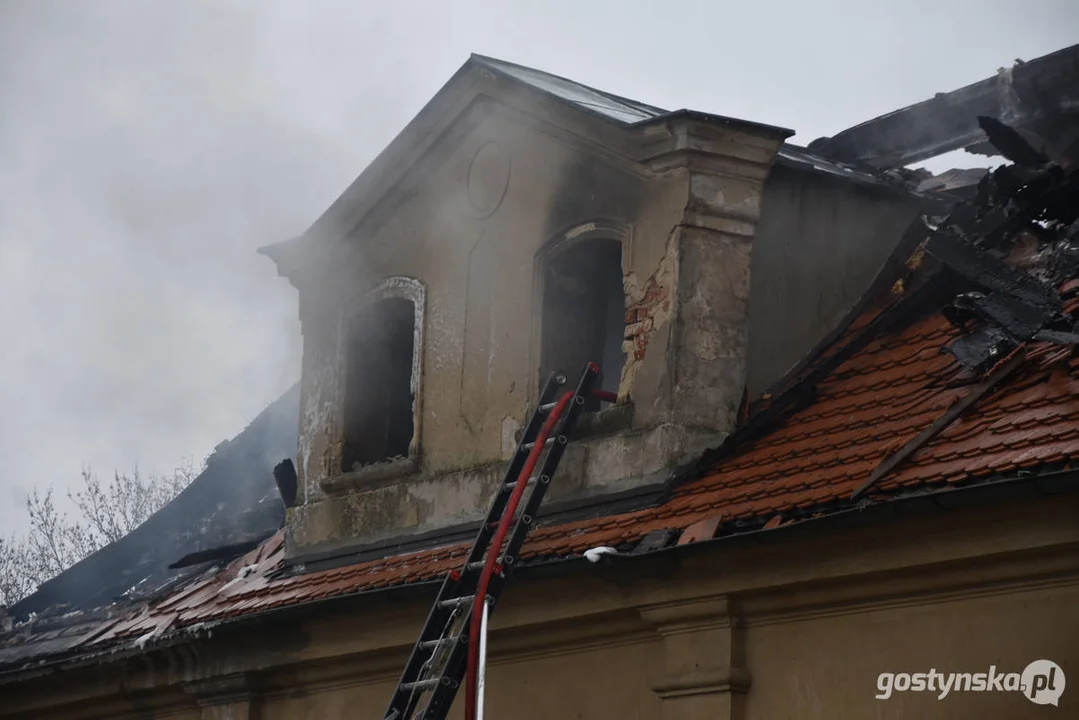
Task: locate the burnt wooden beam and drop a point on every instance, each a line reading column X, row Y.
column 920, row 440
column 992, row 273
column 225, row 552
column 949, row 121
column 284, row 475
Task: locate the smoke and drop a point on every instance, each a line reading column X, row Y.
column 144, row 159
column 147, row 149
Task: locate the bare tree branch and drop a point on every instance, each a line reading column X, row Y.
column 106, row 512
column 15, row 583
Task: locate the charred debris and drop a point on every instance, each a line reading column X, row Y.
column 1013, row 254
column 1012, row 249
column 1039, row 97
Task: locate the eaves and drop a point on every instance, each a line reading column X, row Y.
column 1000, row 490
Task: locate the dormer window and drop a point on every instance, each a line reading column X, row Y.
column 583, row 314
column 382, row 376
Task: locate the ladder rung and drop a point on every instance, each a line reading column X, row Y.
column 428, row 644
column 456, row 602
column 527, row 519
column 422, row 684
column 513, row 483
column 478, row 565
column 527, row 447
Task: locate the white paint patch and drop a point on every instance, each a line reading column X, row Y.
column 580, row 230
column 491, row 345
column 594, row 554
column 446, row 343
column 510, row 426
column 317, row 413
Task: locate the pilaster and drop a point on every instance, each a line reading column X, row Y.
column 726, row 164
column 701, row 672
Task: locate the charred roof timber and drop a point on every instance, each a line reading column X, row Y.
column 1040, row 98
column 1011, row 247
column 284, row 474
column 999, row 374
column 223, row 553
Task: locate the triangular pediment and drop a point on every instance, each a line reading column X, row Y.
column 621, row 129
column 480, row 88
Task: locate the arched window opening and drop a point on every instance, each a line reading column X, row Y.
column 584, row 311
column 379, row 383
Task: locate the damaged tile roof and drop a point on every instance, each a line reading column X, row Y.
column 810, row 463
column 884, row 409
column 232, row 502
column 959, row 370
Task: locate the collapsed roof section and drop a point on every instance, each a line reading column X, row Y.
column 230, row 507
column 1039, row 98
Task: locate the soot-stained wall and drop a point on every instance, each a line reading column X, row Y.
column 499, row 196
column 819, row 245
column 475, row 232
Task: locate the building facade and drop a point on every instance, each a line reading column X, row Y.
column 838, row 480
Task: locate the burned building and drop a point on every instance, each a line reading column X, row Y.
column 523, row 223
column 841, row 445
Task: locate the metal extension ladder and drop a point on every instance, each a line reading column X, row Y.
column 440, row 658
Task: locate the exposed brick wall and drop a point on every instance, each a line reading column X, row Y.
column 649, row 305
column 641, row 318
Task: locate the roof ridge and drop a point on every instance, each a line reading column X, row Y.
column 494, row 63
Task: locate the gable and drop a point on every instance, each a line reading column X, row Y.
column 622, row 131
column 476, row 93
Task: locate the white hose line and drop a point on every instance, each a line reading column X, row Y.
column 481, row 670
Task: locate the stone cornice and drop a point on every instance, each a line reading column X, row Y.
column 716, row 149
column 704, row 682
column 691, row 615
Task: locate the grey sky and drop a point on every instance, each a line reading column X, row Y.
column 147, row 149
